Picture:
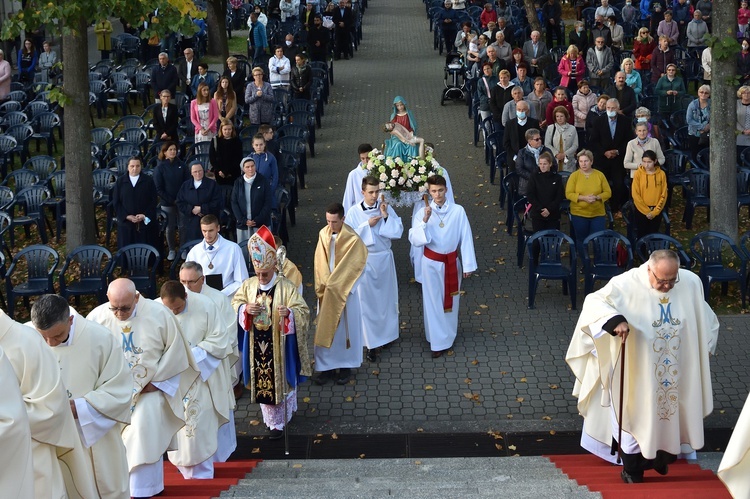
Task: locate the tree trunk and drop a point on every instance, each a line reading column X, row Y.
column 723, row 140
column 531, row 15
column 79, row 203
column 216, row 18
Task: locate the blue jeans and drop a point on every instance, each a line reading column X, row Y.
column 583, row 227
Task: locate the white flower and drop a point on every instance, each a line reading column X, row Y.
column 392, row 182
column 409, row 183
column 410, row 172
column 381, row 186
column 394, row 173
column 389, row 162
column 414, row 162
column 422, row 169
column 422, row 188
column 381, row 157
column 401, row 181
column 383, row 177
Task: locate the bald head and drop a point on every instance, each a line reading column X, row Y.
column 123, row 298
column 121, row 288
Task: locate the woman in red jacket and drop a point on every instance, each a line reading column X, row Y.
column 643, row 46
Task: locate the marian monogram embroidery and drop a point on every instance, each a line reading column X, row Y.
column 132, row 354
column 666, row 370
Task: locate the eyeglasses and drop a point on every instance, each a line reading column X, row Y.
column 122, row 309
column 535, row 139
column 186, row 282
column 665, row 282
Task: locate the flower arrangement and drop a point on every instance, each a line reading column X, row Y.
column 398, row 176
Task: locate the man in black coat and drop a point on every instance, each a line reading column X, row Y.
column 317, row 40
column 164, row 76
column 514, row 138
column 343, row 20
column 186, row 71
column 510, row 37
column 552, row 13
column 624, row 94
column 166, row 118
column 609, row 139
column 134, row 200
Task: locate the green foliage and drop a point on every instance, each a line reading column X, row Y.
column 723, row 49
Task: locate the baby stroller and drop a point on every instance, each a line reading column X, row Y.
column 455, row 78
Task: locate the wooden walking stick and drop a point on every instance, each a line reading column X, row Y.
column 280, row 259
column 622, row 391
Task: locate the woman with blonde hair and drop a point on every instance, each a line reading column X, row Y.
column 632, row 78
column 643, row 48
column 743, row 117
column 572, row 69
column 587, row 189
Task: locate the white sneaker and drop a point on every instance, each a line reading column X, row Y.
column 171, row 256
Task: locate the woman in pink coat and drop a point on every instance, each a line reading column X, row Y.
column 204, row 114
column 572, row 69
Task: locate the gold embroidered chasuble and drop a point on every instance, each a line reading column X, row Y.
column 263, row 373
column 667, row 375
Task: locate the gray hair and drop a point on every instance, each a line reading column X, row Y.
column 643, row 111
column 614, row 101
column 516, row 88
column 164, row 54
column 194, row 266
column 48, row 311
column 531, row 132
column 663, row 254
column 705, row 88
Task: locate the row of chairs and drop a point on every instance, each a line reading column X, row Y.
column 718, row 257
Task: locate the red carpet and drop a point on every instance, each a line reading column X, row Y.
column 225, row 475
column 684, row 481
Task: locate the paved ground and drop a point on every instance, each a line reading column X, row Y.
column 506, row 371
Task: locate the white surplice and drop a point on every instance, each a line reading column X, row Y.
column 414, row 254
column 734, row 469
column 441, row 327
column 59, row 460
column 17, row 477
column 378, row 291
column 338, row 356
column 206, row 403
column 225, row 258
column 667, row 373
column 353, row 189
column 157, row 353
column 101, row 388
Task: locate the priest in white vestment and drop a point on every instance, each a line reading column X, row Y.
column 207, row 405
column 734, row 469
column 61, row 467
column 17, row 477
column 441, row 235
column 266, row 337
column 163, row 369
column 340, row 259
column 377, row 224
column 191, row 276
column 99, row 387
column 670, row 331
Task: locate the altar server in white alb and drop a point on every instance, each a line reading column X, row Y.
column 377, row 224
column 99, row 387
column 734, row 469
column 17, row 478
column 353, row 189
column 207, row 401
column 441, row 236
column 219, row 256
column 61, row 467
column 163, row 369
column 670, row 331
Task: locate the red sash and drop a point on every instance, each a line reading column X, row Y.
column 450, row 276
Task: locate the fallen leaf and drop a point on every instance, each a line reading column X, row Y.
column 509, row 416
column 512, row 447
column 306, row 399
column 451, row 353
column 474, row 362
column 498, row 447
column 523, row 380
column 417, row 462
column 256, row 450
column 468, row 395
column 317, row 441
column 254, row 422
column 361, row 456
column 553, row 387
column 420, row 430
column 429, row 387
column 552, row 432
column 467, row 381
column 519, row 399
column 483, row 306
column 348, row 399
column 547, row 418
column 376, row 373
column 296, row 465
column 477, row 312
column 334, row 436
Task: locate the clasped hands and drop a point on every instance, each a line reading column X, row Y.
column 136, row 218
column 256, row 309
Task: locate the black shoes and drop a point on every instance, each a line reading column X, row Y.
column 372, row 355
column 345, row 375
column 323, row 377
column 628, row 478
column 275, row 434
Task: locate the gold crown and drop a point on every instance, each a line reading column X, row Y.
column 664, row 300
column 126, row 329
